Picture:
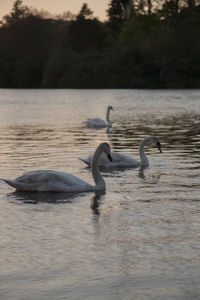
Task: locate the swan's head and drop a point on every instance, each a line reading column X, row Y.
column 110, row 107
column 106, row 149
column 157, row 143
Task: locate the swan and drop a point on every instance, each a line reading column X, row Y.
column 122, row 160
column 54, row 181
column 98, row 123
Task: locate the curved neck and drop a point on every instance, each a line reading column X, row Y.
column 108, row 115
column 143, row 157
column 98, row 179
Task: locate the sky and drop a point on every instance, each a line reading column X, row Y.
column 59, row 6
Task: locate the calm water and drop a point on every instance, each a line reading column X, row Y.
column 141, row 240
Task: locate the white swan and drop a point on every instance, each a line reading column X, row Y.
column 122, row 160
column 54, row 181
column 99, row 123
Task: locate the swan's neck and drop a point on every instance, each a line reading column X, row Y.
column 108, row 115
column 98, row 179
column 143, row 157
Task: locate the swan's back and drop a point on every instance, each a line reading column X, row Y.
column 48, row 180
column 118, row 160
column 123, row 160
column 96, row 122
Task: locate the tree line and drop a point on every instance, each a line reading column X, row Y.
column 158, row 47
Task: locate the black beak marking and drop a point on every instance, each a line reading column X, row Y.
column 159, row 147
column 109, row 157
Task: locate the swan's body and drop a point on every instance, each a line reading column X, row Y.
column 118, row 160
column 99, row 123
column 122, row 160
column 54, row 181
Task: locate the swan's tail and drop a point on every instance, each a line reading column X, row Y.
column 10, row 182
column 86, row 161
column 17, row 185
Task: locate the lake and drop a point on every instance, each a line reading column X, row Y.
column 140, row 240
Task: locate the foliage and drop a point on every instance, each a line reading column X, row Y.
column 157, row 48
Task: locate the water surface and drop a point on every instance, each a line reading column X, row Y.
column 141, row 240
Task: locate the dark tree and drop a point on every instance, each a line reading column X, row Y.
column 18, row 12
column 115, row 16
column 85, row 12
column 86, row 32
column 158, row 47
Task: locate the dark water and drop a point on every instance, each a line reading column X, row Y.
column 141, row 240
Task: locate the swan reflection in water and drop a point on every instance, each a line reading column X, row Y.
column 96, row 201
column 28, row 197
column 151, row 179
column 141, row 172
